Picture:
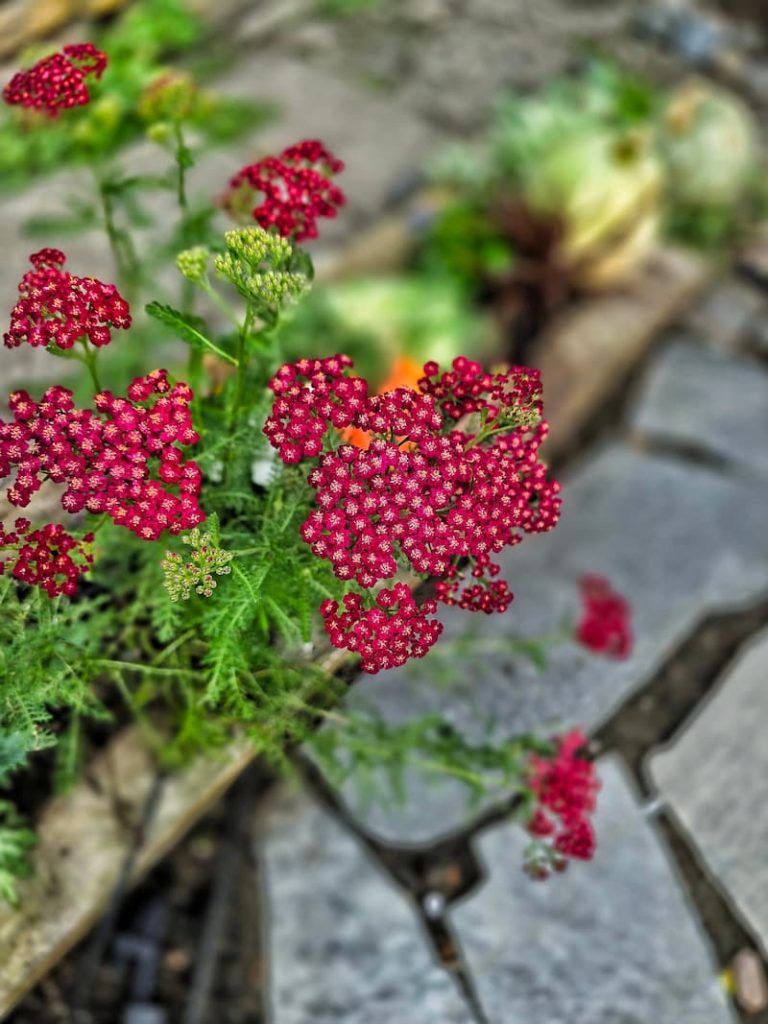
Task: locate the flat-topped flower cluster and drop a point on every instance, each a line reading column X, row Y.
column 57, row 82
column 115, row 460
column 449, row 478
column 296, row 188
column 59, row 308
column 49, row 558
column 565, row 786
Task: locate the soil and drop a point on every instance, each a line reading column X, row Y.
column 183, row 949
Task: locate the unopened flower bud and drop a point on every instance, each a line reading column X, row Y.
column 193, row 263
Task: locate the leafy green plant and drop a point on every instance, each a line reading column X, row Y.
column 572, row 184
column 200, row 597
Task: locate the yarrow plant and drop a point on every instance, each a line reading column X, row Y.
column 209, row 531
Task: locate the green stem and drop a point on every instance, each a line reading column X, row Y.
column 151, row 735
column 242, row 369
column 178, row 642
column 90, row 358
column 153, row 670
column 181, row 169
column 181, row 154
column 426, row 763
column 123, row 252
column 222, row 304
column 104, row 519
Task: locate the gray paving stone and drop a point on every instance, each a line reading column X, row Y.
column 609, row 942
column 344, row 946
column 679, row 541
column 708, row 400
column 449, row 61
column 723, row 318
column 713, row 777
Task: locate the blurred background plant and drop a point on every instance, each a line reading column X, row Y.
column 572, row 187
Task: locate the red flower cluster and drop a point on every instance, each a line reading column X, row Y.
column 388, row 634
column 467, row 389
column 57, row 82
column 56, row 307
column 433, row 498
column 566, row 787
column 296, row 186
column 605, row 623
column 301, row 412
column 107, row 457
column 49, row 558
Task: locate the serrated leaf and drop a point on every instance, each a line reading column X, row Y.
column 188, row 329
column 13, row 753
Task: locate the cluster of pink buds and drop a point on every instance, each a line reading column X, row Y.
column 605, row 625
column 388, row 634
column 566, row 787
column 49, row 558
column 57, row 308
column 424, row 494
column 120, row 459
column 57, row 82
column 296, row 188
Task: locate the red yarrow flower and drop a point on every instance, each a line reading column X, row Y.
column 423, row 493
column 49, row 558
column 605, row 626
column 120, row 459
column 386, row 635
column 296, row 188
column 58, row 81
column 565, row 786
column 58, row 308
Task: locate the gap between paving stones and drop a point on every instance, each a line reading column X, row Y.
column 522, row 973
column 650, row 719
